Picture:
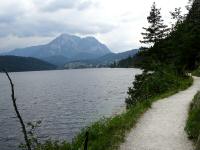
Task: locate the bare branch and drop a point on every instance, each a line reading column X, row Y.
column 17, row 111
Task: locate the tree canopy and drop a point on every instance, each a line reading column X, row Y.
column 156, row 30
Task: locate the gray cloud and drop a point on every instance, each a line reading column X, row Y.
column 47, row 27
column 9, row 13
column 7, row 18
column 56, row 5
column 32, row 20
column 116, row 23
column 60, row 4
column 86, row 4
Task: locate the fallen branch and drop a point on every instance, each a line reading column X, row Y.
column 17, row 111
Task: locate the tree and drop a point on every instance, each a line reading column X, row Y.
column 157, row 30
column 176, row 15
column 194, row 12
column 189, row 5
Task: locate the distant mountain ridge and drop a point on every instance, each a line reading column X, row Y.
column 69, row 46
column 102, row 61
column 73, row 50
column 110, row 58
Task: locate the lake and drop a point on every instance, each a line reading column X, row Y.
column 64, row 100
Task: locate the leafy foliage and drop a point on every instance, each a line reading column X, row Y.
column 125, row 62
column 150, row 84
column 32, row 136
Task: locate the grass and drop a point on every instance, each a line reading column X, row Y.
column 109, row 133
column 193, row 122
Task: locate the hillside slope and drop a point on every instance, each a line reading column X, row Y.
column 16, row 64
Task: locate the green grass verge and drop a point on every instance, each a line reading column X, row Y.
column 193, row 123
column 109, row 133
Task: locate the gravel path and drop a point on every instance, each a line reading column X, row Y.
column 162, row 126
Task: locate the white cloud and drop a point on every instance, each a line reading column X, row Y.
column 117, row 23
column 56, row 5
column 11, row 41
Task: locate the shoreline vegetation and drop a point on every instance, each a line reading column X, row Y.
column 109, row 133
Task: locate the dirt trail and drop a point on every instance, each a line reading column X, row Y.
column 162, row 126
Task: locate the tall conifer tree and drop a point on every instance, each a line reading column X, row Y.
column 157, row 30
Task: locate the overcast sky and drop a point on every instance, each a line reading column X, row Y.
column 117, row 23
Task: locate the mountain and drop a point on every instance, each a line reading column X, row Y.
column 16, row 64
column 69, row 50
column 102, row 61
column 115, row 57
column 56, row 60
column 69, row 46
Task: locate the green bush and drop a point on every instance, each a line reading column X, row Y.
column 193, row 122
column 150, row 84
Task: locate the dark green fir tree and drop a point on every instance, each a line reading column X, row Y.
column 157, row 30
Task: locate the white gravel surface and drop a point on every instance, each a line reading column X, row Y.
column 162, row 126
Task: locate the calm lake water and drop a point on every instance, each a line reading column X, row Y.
column 65, row 101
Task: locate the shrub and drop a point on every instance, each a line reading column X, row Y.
column 150, row 84
column 193, row 122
